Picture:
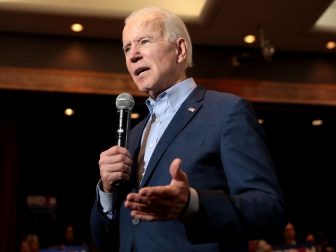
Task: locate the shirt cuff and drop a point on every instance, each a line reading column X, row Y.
column 193, row 204
column 104, row 199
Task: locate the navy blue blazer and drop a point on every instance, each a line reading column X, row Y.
column 224, row 153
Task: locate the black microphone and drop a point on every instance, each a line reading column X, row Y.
column 124, row 103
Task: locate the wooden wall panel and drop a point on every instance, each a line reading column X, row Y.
column 73, row 81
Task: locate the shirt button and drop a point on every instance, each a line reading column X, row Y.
column 135, row 221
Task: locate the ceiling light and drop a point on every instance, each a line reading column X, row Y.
column 249, row 39
column 77, row 27
column 317, row 122
column 135, row 115
column 330, row 45
column 261, row 121
column 69, row 112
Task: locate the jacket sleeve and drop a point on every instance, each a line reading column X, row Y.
column 104, row 231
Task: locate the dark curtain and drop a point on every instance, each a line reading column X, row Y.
column 8, row 185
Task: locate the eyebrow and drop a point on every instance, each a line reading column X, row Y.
column 137, row 40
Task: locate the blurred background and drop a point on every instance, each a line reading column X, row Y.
column 62, row 67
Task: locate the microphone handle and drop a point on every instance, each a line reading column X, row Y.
column 123, row 126
column 122, row 133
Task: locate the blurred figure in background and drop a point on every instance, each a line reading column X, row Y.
column 30, row 243
column 290, row 234
column 24, row 246
column 310, row 238
column 259, row 246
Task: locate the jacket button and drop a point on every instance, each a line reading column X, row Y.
column 135, row 221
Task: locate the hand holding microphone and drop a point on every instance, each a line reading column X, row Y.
column 115, row 163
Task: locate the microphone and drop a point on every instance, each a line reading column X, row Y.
column 124, row 104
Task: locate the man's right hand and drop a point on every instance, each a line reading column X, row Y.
column 114, row 166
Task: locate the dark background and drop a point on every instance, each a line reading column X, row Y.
column 58, row 156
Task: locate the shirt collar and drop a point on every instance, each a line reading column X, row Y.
column 176, row 94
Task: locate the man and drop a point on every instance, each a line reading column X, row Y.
column 202, row 178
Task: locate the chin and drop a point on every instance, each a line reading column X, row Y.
column 144, row 87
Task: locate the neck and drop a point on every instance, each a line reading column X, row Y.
column 155, row 93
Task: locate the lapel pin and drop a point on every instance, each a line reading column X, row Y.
column 191, row 109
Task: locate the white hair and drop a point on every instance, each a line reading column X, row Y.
column 174, row 26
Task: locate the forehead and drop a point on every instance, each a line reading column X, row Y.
column 140, row 26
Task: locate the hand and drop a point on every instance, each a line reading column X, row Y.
column 114, row 165
column 161, row 202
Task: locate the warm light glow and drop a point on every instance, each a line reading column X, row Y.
column 135, row 115
column 326, row 21
column 249, row 39
column 187, row 9
column 77, row 27
column 69, row 112
column 331, row 45
column 261, row 121
column 317, row 122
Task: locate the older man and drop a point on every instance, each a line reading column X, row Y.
column 197, row 173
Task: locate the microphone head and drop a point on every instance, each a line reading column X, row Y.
column 125, row 101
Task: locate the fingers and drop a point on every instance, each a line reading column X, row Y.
column 144, row 216
column 151, row 208
column 141, row 202
column 175, row 168
column 178, row 176
column 136, row 202
column 159, row 192
column 114, row 165
column 153, row 216
column 115, row 154
column 116, row 150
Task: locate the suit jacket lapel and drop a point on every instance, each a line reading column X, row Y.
column 185, row 113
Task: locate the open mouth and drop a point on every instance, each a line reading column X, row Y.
column 140, row 70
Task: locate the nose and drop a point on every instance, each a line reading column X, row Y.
column 134, row 55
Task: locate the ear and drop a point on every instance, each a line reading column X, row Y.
column 182, row 50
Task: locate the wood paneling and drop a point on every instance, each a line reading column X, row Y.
column 68, row 81
column 72, row 81
column 277, row 92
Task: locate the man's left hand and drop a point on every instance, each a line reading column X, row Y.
column 160, row 203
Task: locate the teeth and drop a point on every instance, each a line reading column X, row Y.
column 140, row 71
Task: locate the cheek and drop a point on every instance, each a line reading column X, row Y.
column 128, row 66
column 164, row 61
column 168, row 59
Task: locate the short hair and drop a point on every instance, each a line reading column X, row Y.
column 174, row 26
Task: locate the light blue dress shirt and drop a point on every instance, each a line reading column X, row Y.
column 164, row 108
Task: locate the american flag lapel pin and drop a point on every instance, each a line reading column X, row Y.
column 191, row 109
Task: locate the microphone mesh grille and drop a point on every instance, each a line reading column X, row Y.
column 125, row 101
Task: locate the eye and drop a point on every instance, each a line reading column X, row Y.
column 126, row 49
column 144, row 41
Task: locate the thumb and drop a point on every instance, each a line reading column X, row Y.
column 175, row 170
